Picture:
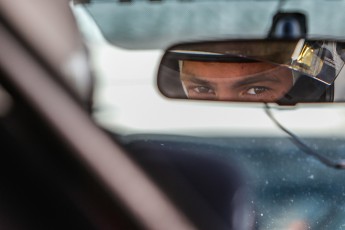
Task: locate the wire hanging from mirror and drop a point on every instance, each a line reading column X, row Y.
column 340, row 164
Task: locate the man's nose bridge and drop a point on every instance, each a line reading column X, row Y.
column 226, row 94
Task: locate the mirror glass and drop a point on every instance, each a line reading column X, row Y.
column 285, row 72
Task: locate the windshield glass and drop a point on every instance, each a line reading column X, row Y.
column 284, row 188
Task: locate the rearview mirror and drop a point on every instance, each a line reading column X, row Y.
column 285, row 72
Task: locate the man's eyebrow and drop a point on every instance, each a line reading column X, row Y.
column 195, row 79
column 256, row 79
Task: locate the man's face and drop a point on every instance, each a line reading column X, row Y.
column 251, row 81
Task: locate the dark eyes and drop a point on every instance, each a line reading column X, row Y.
column 257, row 90
column 208, row 90
column 203, row 89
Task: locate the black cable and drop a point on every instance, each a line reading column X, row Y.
column 302, row 146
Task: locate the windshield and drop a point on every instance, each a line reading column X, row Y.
column 286, row 188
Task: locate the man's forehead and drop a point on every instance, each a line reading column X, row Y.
column 235, row 81
column 225, row 69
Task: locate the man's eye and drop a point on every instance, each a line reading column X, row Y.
column 256, row 90
column 203, row 89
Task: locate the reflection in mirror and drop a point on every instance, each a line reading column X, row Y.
column 286, row 72
column 255, row 81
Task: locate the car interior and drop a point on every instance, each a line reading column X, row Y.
column 60, row 170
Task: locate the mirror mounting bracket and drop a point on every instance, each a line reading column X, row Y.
column 288, row 25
